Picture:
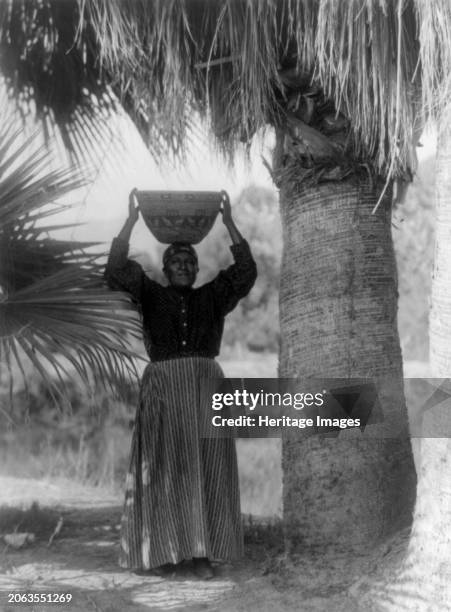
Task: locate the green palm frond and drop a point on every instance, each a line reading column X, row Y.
column 55, row 310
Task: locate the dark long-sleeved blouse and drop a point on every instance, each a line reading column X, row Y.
column 182, row 322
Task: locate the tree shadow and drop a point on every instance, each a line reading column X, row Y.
column 82, row 559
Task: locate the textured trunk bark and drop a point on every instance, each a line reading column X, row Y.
column 338, row 303
column 440, row 317
column 424, row 582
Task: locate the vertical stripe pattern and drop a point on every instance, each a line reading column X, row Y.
column 182, row 493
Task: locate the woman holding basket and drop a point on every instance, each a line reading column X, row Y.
column 182, row 496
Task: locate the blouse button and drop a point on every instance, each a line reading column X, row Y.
column 184, row 342
column 185, row 324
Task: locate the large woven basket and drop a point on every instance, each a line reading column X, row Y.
column 179, row 216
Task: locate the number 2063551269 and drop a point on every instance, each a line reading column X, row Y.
column 57, row 598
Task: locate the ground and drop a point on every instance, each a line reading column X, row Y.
column 82, row 560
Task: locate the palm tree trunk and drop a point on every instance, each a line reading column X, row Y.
column 423, row 583
column 338, row 306
column 440, row 317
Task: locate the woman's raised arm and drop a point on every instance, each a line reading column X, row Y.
column 122, row 273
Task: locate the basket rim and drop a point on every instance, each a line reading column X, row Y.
column 156, row 205
column 174, row 193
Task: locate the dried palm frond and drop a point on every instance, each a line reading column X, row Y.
column 230, row 59
column 236, row 62
column 55, row 310
column 50, row 69
column 47, row 75
column 434, row 20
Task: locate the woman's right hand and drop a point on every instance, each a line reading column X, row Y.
column 133, row 210
column 226, row 208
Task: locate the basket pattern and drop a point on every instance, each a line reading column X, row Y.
column 185, row 216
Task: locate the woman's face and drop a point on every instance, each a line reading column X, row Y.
column 181, row 270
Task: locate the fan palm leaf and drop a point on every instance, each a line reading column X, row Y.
column 239, row 62
column 55, row 310
column 47, row 74
column 434, row 20
column 50, row 68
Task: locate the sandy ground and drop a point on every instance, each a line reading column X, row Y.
column 82, row 560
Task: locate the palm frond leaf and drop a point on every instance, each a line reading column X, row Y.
column 434, row 20
column 56, row 313
column 230, row 61
column 50, row 69
column 236, row 63
column 68, row 319
column 49, row 76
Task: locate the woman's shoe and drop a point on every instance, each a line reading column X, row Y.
column 202, row 568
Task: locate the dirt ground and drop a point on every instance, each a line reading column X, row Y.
column 82, row 560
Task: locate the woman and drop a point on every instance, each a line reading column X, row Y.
column 182, row 496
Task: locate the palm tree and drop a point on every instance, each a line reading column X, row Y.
column 422, row 583
column 56, row 315
column 337, row 81
column 294, row 66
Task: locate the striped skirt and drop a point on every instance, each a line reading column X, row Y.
column 182, row 493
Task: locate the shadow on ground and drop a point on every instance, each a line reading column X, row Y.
column 81, row 559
